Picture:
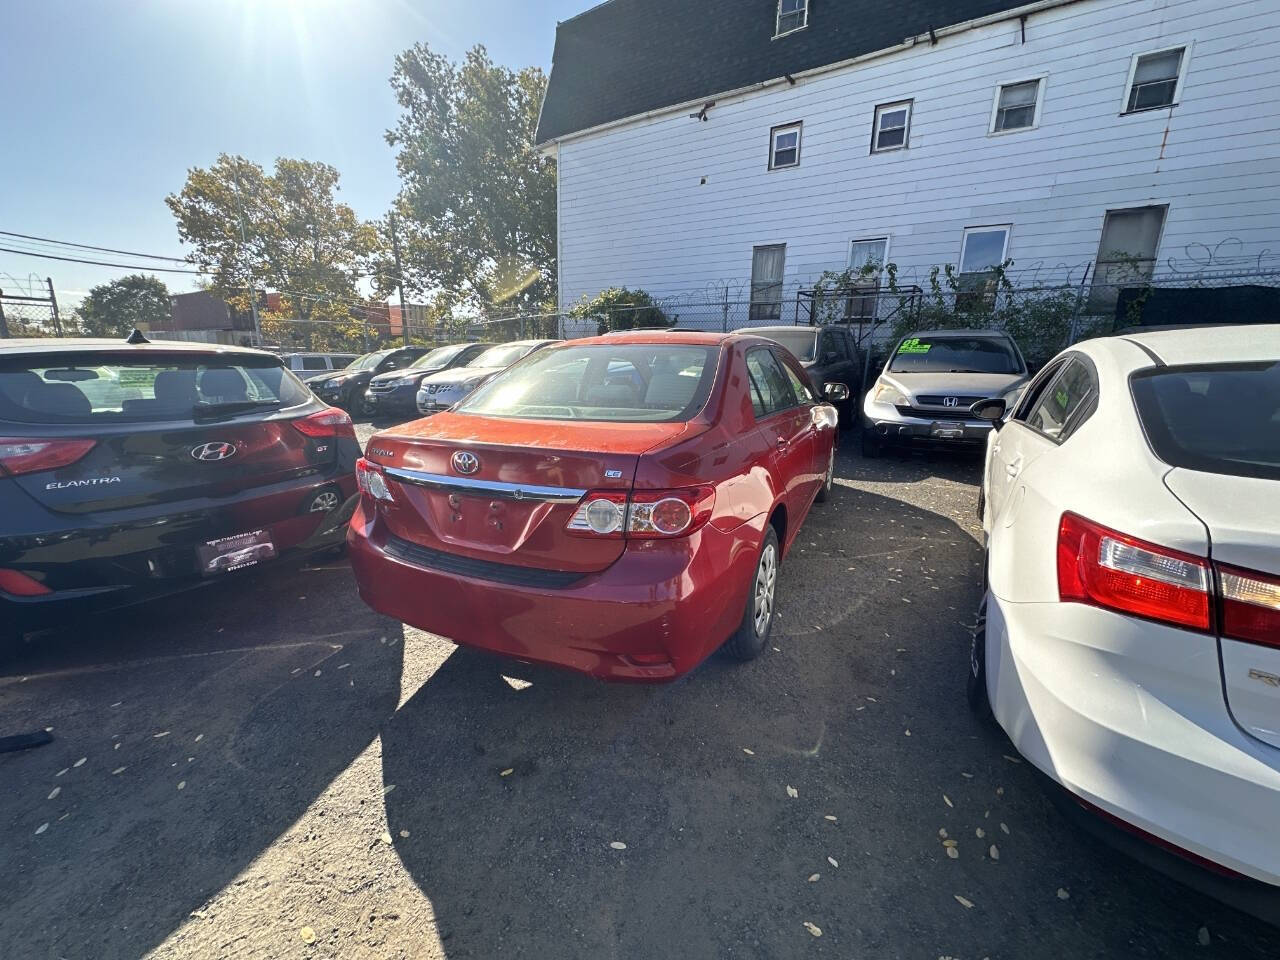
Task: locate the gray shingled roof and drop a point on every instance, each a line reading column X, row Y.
column 626, row 57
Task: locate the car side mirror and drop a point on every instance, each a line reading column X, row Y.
column 836, row 392
column 990, row 410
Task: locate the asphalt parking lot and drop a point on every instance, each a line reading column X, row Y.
column 266, row 768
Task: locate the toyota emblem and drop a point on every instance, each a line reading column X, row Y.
column 951, row 401
column 464, row 461
column 213, row 450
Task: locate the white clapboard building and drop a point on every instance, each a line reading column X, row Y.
column 758, row 143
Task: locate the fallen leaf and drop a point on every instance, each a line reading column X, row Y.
column 873, row 699
column 507, row 772
column 1203, row 936
column 776, row 650
column 343, row 666
column 62, row 771
column 182, row 784
column 307, row 934
column 1004, row 827
column 942, row 832
column 385, row 837
column 80, row 762
column 404, row 833
column 908, row 733
column 813, row 928
column 999, row 791
column 829, row 817
column 980, row 832
column 792, row 792
column 947, row 800
column 749, row 753
column 116, row 747
column 1062, row 894
column 967, row 776
column 618, row 845
column 964, row 902
column 199, row 737
column 118, row 770
column 117, row 703
column 388, row 788
column 56, row 791
column 994, row 852
column 317, row 673
column 950, row 843
column 814, row 877
column 157, row 736
column 1010, row 759
column 296, row 672
column 953, row 853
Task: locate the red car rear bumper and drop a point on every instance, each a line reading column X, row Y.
column 657, row 612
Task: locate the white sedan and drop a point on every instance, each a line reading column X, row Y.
column 1129, row 642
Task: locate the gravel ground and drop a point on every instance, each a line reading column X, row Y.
column 266, row 768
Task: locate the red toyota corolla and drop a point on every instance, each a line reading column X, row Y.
column 617, row 505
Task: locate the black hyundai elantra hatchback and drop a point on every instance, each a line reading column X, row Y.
column 131, row 470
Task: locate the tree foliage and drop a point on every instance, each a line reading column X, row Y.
column 621, row 309
column 285, row 230
column 114, row 308
column 476, row 212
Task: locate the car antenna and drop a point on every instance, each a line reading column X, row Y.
column 136, row 337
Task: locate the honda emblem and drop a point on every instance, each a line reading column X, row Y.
column 951, row 401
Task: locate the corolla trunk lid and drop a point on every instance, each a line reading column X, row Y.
column 509, row 497
column 1243, row 518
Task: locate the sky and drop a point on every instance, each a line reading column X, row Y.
column 110, row 102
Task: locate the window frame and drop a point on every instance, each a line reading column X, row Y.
column 1031, row 400
column 753, row 386
column 777, row 22
column 881, row 108
column 1185, row 47
column 798, row 127
column 797, row 376
column 1040, row 81
column 983, row 228
column 752, row 302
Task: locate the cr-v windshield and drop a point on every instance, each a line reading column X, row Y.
column 1223, row 418
column 948, row 354
column 633, row 382
column 93, row 388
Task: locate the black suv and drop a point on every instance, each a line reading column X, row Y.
column 345, row 388
column 829, row 354
column 131, row 470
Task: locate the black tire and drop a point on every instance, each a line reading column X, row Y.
column 976, row 681
column 982, row 504
column 824, row 491
column 871, row 447
column 750, row 639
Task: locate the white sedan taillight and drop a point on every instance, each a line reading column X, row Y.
column 1250, row 606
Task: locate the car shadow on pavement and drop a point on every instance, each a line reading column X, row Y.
column 547, row 815
column 190, row 733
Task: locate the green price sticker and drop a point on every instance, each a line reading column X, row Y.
column 913, row 345
column 1062, row 397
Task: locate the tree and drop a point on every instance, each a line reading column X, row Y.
column 113, row 309
column 476, row 212
column 284, row 230
column 620, row 309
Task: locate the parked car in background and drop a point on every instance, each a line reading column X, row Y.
column 440, row 391
column 394, row 393
column 130, row 470
column 931, row 380
column 829, row 353
column 307, row 365
column 617, row 506
column 345, row 388
column 1129, row 638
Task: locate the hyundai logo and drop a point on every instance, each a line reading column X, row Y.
column 464, row 461
column 951, row 401
column 213, row 450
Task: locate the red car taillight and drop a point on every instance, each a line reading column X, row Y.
column 26, row 455
column 331, row 422
column 645, row 514
column 1250, row 606
column 371, row 481
column 20, row 585
column 1109, row 569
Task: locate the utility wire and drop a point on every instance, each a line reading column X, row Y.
column 86, row 246
column 97, row 263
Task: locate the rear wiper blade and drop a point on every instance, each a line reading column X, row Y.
column 203, row 410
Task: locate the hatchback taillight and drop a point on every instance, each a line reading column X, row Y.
column 644, row 514
column 330, row 422
column 27, row 455
column 1105, row 568
column 1250, row 605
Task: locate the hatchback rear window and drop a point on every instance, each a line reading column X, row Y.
column 1223, row 418
column 955, row 355
column 96, row 387
column 633, row 382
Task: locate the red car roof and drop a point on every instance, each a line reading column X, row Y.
column 694, row 337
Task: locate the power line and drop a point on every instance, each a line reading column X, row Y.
column 97, row 263
column 86, row 246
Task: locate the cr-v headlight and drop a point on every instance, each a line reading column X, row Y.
column 888, row 393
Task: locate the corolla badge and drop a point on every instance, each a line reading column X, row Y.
column 213, row 450
column 464, row 461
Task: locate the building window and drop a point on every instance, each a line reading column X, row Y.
column 1017, row 106
column 792, row 15
column 784, row 146
column 866, row 266
column 1155, row 79
column 766, row 282
column 892, row 125
column 982, row 250
column 1126, row 253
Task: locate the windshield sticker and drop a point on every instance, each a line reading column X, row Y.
column 1062, row 397
column 913, row 345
